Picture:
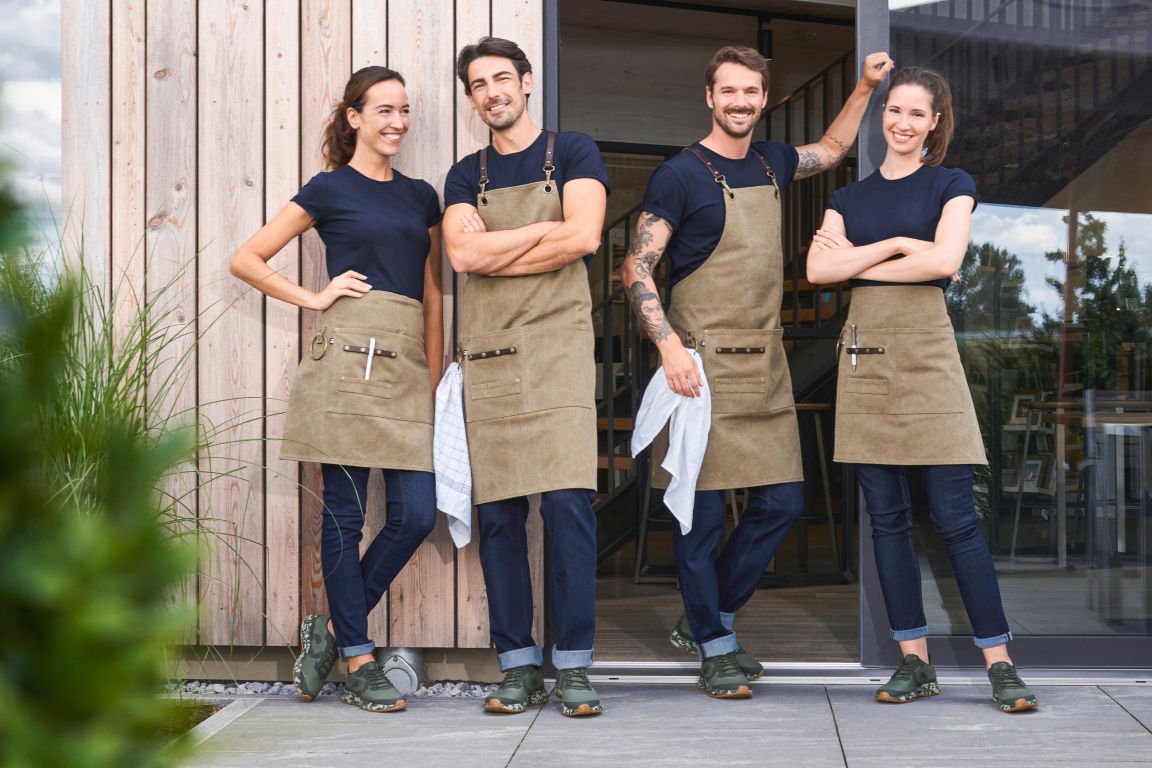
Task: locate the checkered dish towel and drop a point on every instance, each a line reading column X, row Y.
column 450, row 457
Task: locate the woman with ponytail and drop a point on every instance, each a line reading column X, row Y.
column 362, row 395
column 903, row 405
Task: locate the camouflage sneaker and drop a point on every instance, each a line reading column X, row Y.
column 369, row 688
column 576, row 694
column 317, row 655
column 522, row 687
column 1008, row 690
column 722, row 678
column 911, row 680
column 681, row 638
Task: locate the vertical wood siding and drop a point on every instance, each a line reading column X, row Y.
column 190, row 124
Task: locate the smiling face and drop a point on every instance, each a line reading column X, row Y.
column 737, row 99
column 382, row 123
column 908, row 119
column 497, row 92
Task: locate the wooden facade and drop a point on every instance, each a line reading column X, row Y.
column 187, row 125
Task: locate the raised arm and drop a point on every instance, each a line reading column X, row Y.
column 250, row 264
column 648, row 244
column 585, row 201
column 472, row 249
column 932, row 261
column 830, row 150
column 434, row 309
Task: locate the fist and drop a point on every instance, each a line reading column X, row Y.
column 876, row 68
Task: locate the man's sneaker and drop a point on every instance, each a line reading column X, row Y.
column 369, row 688
column 576, row 694
column 1008, row 690
column 522, row 687
column 681, row 638
column 911, row 680
column 317, row 655
column 722, row 678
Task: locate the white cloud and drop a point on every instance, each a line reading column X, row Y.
column 30, row 39
column 1022, row 231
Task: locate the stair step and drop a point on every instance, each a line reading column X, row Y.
column 807, row 287
column 827, row 310
column 619, row 424
column 618, row 462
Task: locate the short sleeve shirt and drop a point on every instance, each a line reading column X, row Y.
column 876, row 208
column 378, row 228
column 682, row 192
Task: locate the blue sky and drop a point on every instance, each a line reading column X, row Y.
column 30, row 102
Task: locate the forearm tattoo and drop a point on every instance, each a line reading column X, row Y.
column 808, row 165
column 642, row 257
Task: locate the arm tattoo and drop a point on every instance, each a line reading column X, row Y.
column 647, row 305
column 843, row 147
column 642, row 257
column 808, row 165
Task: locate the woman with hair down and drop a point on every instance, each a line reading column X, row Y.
column 902, row 400
column 362, row 396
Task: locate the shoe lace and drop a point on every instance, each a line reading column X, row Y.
column 726, row 664
column 906, row 669
column 1007, row 676
column 513, row 677
column 576, row 678
column 376, row 678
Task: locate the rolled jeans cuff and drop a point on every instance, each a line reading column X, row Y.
column 719, row 646
column 532, row 655
column 727, row 620
column 992, row 642
column 571, row 659
column 358, row 650
column 909, row 634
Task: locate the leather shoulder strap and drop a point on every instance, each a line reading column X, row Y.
column 768, row 170
column 716, row 175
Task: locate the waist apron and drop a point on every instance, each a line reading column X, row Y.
column 346, row 410
column 905, row 400
column 526, row 348
column 729, row 311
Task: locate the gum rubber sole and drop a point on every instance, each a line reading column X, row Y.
column 580, row 711
column 355, row 701
column 742, row 692
column 494, row 705
column 1020, row 705
column 928, row 689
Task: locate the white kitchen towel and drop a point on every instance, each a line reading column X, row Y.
column 450, row 456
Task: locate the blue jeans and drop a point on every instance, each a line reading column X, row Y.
column 953, row 509
column 715, row 588
column 570, row 525
column 355, row 584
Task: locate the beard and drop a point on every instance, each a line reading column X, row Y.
column 735, row 132
column 511, row 114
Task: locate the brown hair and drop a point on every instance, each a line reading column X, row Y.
column 491, row 46
column 339, row 137
column 936, row 145
column 737, row 54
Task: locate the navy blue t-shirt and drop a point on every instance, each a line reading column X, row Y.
column 877, row 208
column 378, row 228
column 682, row 192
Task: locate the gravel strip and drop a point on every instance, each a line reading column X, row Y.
column 462, row 689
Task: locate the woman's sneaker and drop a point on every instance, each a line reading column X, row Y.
column 911, row 680
column 1008, row 690
column 369, row 688
column 317, row 655
column 681, row 638
column 722, row 678
column 522, row 687
column 576, row 694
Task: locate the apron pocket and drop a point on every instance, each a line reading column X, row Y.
column 864, row 386
column 744, row 381
column 398, row 386
column 494, row 384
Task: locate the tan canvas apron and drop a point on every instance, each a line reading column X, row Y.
column 526, row 348
column 905, row 401
column 729, row 311
column 338, row 416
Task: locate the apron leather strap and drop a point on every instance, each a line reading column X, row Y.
column 483, row 175
column 549, row 167
column 716, row 175
column 768, row 170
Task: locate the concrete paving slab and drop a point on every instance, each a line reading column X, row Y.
column 1074, row 725
column 1135, row 699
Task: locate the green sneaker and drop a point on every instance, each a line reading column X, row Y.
column 576, row 694
column 1008, row 690
column 681, row 638
column 911, row 680
column 522, row 687
column 722, row 678
column 369, row 688
column 317, row 655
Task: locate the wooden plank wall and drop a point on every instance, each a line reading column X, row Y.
column 192, row 122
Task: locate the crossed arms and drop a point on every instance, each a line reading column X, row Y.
column 534, row 248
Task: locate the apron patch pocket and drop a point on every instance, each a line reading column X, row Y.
column 494, row 389
column 740, row 385
column 866, row 386
column 494, row 385
column 746, row 382
column 357, row 397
